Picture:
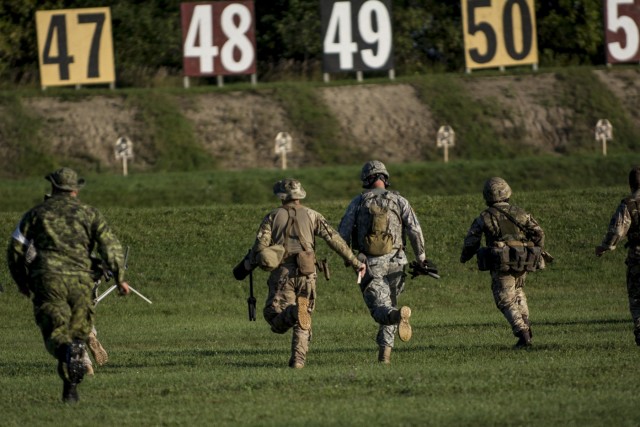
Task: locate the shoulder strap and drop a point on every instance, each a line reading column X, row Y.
column 293, row 223
column 510, row 218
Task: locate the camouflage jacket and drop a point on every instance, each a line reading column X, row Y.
column 273, row 231
column 495, row 226
column 625, row 222
column 403, row 223
column 64, row 232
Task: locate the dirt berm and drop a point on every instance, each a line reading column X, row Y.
column 390, row 122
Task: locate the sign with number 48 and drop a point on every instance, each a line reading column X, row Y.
column 218, row 38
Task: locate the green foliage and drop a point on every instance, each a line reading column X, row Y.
column 193, row 358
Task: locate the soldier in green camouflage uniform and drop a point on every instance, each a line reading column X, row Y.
column 292, row 290
column 62, row 232
column 386, row 277
column 507, row 286
column 626, row 222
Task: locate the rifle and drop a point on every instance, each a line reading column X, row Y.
column 427, row 268
column 251, row 301
column 108, row 275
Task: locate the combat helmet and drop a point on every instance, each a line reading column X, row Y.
column 372, row 171
column 495, row 190
column 289, row 189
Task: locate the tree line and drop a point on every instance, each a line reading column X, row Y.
column 427, row 37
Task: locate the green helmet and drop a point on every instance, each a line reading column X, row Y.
column 289, row 189
column 373, row 167
column 495, row 190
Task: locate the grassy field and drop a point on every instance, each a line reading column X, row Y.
column 193, row 358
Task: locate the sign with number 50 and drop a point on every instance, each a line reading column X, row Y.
column 499, row 33
column 218, row 38
column 622, row 35
column 357, row 35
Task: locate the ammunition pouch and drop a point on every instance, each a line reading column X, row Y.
column 378, row 244
column 510, row 257
column 306, row 261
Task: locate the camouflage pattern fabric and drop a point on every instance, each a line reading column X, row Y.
column 64, row 232
column 381, row 294
column 285, row 283
column 626, row 222
column 507, row 288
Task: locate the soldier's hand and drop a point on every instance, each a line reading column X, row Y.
column 600, row 250
column 123, row 288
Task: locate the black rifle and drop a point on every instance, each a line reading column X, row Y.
column 251, row 301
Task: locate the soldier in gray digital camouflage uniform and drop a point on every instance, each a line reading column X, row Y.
column 626, row 222
column 62, row 232
column 292, row 227
column 385, row 279
column 497, row 225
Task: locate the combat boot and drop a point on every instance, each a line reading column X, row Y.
column 87, row 364
column 404, row 328
column 69, row 392
column 524, row 339
column 75, row 362
column 384, row 354
column 97, row 351
column 304, row 317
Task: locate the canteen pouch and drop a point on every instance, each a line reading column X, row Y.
column 306, row 261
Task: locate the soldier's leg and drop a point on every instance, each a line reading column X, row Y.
column 52, row 313
column 305, row 289
column 633, row 292
column 521, row 301
column 299, row 347
column 98, row 352
column 280, row 309
column 503, row 286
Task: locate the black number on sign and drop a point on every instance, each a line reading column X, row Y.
column 93, row 68
column 58, row 27
column 527, row 30
column 483, row 27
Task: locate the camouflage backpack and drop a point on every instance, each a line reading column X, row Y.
column 378, row 239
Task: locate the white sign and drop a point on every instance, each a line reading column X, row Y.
column 124, row 151
column 283, row 143
column 604, row 133
column 446, row 137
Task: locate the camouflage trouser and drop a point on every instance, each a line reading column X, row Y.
column 63, row 308
column 280, row 309
column 381, row 295
column 509, row 296
column 633, row 292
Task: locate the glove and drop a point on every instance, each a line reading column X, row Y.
column 424, row 268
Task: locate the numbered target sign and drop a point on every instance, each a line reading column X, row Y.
column 357, row 35
column 75, row 46
column 499, row 33
column 218, row 38
column 622, row 37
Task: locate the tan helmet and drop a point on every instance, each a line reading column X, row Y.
column 289, row 189
column 495, row 190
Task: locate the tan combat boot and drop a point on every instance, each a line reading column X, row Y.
column 299, row 348
column 304, row 317
column 97, row 351
column 384, row 354
column 404, row 328
column 87, row 364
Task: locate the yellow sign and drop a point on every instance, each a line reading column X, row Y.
column 75, row 46
column 499, row 33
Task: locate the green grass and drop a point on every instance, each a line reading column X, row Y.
column 193, row 358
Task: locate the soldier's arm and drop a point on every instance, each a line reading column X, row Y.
column 472, row 240
column 108, row 246
column 263, row 238
column 618, row 228
column 536, row 233
column 335, row 242
column 16, row 260
column 348, row 221
column 412, row 229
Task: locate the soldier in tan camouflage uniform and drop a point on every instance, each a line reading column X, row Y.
column 292, row 228
column 385, row 279
column 497, row 225
column 62, row 233
column 626, row 222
